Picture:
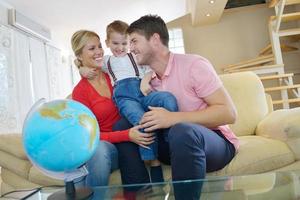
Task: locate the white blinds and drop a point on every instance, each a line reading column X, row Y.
column 9, row 118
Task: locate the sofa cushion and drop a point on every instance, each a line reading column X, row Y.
column 292, row 167
column 283, row 125
column 38, row 177
column 16, row 181
column 12, row 143
column 15, row 164
column 256, row 155
column 251, row 105
column 6, row 188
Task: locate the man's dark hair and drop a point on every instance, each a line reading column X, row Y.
column 148, row 25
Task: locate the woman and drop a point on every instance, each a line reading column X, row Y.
column 96, row 94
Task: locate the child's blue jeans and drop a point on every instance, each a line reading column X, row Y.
column 132, row 104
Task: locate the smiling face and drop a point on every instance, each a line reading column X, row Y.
column 142, row 48
column 118, row 44
column 92, row 53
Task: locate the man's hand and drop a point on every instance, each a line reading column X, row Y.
column 141, row 139
column 157, row 118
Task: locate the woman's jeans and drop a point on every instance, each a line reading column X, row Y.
column 102, row 163
column 133, row 104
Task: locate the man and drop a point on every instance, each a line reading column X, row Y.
column 198, row 138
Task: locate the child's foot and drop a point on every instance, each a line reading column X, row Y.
column 156, row 174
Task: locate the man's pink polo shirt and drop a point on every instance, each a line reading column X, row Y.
column 190, row 78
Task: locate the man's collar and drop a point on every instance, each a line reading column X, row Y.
column 168, row 68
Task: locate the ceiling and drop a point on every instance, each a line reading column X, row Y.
column 63, row 17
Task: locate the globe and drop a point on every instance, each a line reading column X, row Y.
column 60, row 136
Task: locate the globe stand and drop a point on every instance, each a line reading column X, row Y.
column 70, row 193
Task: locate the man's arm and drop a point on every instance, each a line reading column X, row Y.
column 220, row 111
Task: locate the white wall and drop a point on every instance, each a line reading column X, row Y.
column 239, row 35
column 4, row 12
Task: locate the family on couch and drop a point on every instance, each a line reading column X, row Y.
column 269, row 140
column 194, row 140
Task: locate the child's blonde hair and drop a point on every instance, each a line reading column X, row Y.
column 116, row 26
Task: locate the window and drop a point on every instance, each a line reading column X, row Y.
column 176, row 40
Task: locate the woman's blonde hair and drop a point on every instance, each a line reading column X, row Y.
column 79, row 40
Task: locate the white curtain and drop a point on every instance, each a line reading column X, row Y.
column 23, row 74
column 39, row 69
column 59, row 73
column 29, row 70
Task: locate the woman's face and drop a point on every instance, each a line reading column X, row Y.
column 92, row 53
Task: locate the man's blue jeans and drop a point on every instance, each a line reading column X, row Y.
column 133, row 104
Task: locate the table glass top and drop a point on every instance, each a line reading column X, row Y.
column 275, row 185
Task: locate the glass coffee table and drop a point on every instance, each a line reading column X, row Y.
column 276, row 185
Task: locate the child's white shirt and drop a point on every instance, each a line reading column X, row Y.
column 123, row 68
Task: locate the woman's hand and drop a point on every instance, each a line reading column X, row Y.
column 141, row 139
column 157, row 118
column 88, row 72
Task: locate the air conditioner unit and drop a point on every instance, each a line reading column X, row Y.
column 24, row 23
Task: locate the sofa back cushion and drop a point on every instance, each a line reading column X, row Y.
column 247, row 93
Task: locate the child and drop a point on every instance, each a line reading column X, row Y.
column 126, row 78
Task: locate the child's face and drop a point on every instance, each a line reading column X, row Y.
column 118, row 44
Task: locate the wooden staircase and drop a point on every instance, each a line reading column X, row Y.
column 269, row 63
column 275, row 23
column 274, row 3
column 276, row 31
column 286, row 85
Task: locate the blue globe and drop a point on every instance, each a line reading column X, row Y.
column 60, row 135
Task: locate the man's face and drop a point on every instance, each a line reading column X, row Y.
column 141, row 47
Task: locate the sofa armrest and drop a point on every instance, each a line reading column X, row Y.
column 282, row 125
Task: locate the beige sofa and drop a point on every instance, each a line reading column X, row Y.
column 269, row 140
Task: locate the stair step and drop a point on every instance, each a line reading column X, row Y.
column 266, row 50
column 288, row 17
column 276, row 76
column 288, row 2
column 286, row 101
column 255, row 68
column 294, row 38
column 284, row 48
column 287, row 32
column 251, row 62
column 284, row 87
